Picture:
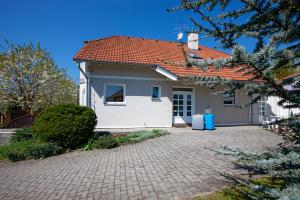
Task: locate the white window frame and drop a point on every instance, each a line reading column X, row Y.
column 159, row 92
column 234, row 100
column 114, row 103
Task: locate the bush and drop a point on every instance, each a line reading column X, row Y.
column 67, row 125
column 27, row 150
column 44, row 151
column 122, row 139
column 16, row 156
column 105, row 142
column 16, row 151
column 21, row 135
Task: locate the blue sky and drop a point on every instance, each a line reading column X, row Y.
column 61, row 26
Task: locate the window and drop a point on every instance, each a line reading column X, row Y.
column 114, row 93
column 229, row 98
column 156, row 93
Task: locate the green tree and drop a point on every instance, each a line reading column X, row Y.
column 30, row 79
column 274, row 26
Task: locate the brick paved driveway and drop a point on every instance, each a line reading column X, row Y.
column 177, row 166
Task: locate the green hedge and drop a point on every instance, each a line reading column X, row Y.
column 67, row 125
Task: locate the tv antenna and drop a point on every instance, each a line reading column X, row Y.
column 180, row 30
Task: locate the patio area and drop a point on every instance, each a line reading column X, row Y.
column 177, row 166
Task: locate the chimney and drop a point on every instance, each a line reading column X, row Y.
column 193, row 40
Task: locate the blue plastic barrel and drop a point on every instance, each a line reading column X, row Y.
column 209, row 121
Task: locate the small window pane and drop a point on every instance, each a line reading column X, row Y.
column 188, row 97
column 189, row 108
column 114, row 93
column 175, row 102
column 189, row 102
column 189, row 114
column 180, row 108
column 155, row 92
column 180, row 113
column 180, row 96
column 181, row 102
column 175, row 113
column 174, row 107
column 175, row 96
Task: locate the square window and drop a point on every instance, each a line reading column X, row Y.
column 180, row 113
column 188, row 113
column 114, row 93
column 175, row 96
column 155, row 92
column 229, row 98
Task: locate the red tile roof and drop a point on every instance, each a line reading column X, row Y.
column 169, row 55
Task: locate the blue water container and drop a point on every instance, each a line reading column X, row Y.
column 209, row 121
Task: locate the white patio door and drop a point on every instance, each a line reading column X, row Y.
column 262, row 109
column 182, row 106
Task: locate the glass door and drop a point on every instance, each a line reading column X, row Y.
column 182, row 107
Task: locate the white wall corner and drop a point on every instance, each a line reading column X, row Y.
column 85, row 86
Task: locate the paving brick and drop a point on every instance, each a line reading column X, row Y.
column 176, row 166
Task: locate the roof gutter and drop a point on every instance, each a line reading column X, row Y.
column 165, row 72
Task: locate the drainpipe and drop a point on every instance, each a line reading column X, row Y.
column 250, row 110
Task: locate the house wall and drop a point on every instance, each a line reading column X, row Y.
column 224, row 114
column 141, row 111
column 274, row 109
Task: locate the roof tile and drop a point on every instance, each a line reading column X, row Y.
column 169, row 55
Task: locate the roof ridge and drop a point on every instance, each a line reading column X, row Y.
column 126, row 36
column 142, row 38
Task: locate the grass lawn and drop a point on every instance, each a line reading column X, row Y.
column 240, row 192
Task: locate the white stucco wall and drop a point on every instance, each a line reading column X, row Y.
column 274, row 109
column 141, row 111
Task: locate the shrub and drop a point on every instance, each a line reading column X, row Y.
column 105, row 142
column 67, row 125
column 21, row 135
column 16, row 156
column 28, row 149
column 122, row 139
column 16, row 151
column 44, row 150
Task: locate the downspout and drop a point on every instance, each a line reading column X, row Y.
column 250, row 110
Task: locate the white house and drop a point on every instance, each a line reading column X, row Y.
column 137, row 82
column 269, row 107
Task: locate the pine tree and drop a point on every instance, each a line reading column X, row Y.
column 274, row 26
